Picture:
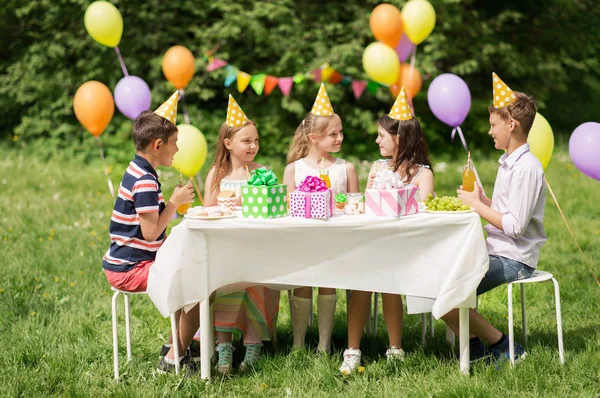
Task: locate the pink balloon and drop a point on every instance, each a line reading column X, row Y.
column 404, row 48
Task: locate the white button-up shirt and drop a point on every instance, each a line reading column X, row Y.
column 520, row 195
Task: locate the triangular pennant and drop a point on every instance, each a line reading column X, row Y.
column 326, row 73
column 372, row 86
column 258, row 83
column 285, row 85
column 168, row 109
column 215, row 64
column 322, row 105
column 336, row 77
column 235, row 115
column 503, row 95
column 358, row 86
column 299, row 78
column 317, row 74
column 401, row 109
column 270, row 83
column 230, row 75
column 347, row 80
column 243, row 79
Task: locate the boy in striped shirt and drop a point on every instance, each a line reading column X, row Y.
column 140, row 215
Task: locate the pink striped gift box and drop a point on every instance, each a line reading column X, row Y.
column 391, row 202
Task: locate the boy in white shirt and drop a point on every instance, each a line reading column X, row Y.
column 515, row 215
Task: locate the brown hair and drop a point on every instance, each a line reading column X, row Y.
column 149, row 127
column 222, row 162
column 312, row 124
column 412, row 147
column 523, row 110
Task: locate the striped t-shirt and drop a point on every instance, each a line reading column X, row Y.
column 139, row 193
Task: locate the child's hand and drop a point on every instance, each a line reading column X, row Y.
column 470, row 198
column 183, row 194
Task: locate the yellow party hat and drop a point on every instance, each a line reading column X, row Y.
column 503, row 95
column 401, row 109
column 322, row 106
column 168, row 109
column 235, row 115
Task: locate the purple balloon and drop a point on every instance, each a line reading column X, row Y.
column 404, row 48
column 132, row 96
column 449, row 99
column 584, row 146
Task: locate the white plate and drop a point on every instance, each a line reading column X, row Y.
column 447, row 211
column 197, row 217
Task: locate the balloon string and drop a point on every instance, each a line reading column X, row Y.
column 120, row 58
column 186, row 117
column 197, row 190
column 570, row 231
column 413, row 58
column 458, row 130
column 110, row 184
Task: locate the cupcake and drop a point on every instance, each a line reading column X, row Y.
column 340, row 201
column 227, row 199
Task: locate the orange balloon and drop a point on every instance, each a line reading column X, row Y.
column 179, row 66
column 386, row 24
column 412, row 83
column 94, row 106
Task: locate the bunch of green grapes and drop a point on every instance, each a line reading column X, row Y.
column 445, row 203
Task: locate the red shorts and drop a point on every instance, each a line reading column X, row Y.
column 134, row 280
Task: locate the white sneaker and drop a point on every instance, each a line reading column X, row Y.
column 351, row 361
column 395, row 354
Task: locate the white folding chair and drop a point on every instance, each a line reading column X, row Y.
column 128, row 330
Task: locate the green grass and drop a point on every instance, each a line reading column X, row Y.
column 55, row 316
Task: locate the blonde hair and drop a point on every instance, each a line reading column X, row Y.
column 312, row 124
column 222, row 162
column 523, row 110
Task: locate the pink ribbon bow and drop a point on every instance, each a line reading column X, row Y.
column 312, row 184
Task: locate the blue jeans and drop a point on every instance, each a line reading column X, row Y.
column 503, row 270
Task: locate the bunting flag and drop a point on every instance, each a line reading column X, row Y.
column 358, row 86
column 216, row 63
column 258, row 83
column 243, row 79
column 270, row 84
column 285, row 85
column 264, row 84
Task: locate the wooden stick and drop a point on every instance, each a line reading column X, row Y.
column 197, row 190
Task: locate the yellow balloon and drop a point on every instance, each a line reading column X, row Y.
column 381, row 63
column 541, row 140
column 192, row 150
column 419, row 20
column 104, row 23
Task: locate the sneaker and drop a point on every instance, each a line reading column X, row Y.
column 193, row 351
column 252, row 355
column 186, row 366
column 164, row 351
column 477, row 350
column 225, row 362
column 395, row 354
column 351, row 361
column 500, row 352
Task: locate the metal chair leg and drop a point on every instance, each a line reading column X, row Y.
column 559, row 332
column 115, row 336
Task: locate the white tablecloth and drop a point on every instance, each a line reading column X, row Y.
column 439, row 257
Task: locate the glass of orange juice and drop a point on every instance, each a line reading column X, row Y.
column 324, row 175
column 468, row 178
column 183, row 208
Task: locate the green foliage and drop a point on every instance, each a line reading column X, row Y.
column 545, row 48
column 55, row 309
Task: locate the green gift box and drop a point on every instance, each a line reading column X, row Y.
column 264, row 201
